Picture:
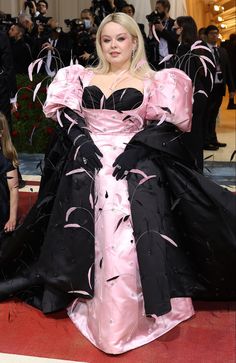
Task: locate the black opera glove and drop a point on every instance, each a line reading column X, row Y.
column 81, row 139
column 127, row 160
column 89, row 153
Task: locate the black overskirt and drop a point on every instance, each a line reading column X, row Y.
column 183, row 227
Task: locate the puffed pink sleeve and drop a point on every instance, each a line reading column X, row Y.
column 65, row 91
column 170, row 98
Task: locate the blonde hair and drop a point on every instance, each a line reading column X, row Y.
column 8, row 149
column 139, row 66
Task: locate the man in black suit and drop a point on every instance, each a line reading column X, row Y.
column 38, row 11
column 157, row 50
column 230, row 46
column 57, row 44
column 21, row 51
column 222, row 78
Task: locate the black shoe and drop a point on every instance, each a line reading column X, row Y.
column 231, row 106
column 220, row 144
column 21, row 184
column 210, row 147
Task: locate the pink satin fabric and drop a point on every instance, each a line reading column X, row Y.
column 114, row 319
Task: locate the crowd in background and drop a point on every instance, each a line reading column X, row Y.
column 33, row 30
column 34, row 34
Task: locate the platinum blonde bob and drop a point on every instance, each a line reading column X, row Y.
column 139, row 65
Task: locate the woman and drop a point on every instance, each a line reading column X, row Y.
column 8, row 179
column 124, row 240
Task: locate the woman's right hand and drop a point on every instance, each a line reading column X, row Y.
column 10, row 225
column 82, row 141
column 90, row 155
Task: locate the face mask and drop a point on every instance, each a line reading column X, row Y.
column 87, row 23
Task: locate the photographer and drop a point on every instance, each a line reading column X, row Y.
column 163, row 24
column 38, row 11
column 6, row 21
column 86, row 49
column 102, row 8
column 83, row 33
column 21, row 52
column 31, row 35
column 58, row 46
column 87, row 17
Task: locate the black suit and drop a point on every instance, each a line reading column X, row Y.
column 230, row 46
column 227, row 71
column 8, row 87
column 153, row 53
column 61, row 55
column 216, row 96
column 21, row 55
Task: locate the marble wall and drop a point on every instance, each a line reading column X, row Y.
column 62, row 9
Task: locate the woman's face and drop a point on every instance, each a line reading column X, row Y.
column 178, row 29
column 117, row 44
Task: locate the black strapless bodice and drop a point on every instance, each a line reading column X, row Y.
column 120, row 100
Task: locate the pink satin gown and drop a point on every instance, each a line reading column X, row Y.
column 114, row 320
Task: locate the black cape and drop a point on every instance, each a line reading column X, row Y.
column 184, row 230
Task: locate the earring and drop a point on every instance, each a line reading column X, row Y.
column 132, row 53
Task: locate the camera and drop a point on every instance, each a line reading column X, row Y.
column 6, row 21
column 76, row 25
column 154, row 18
column 29, row 4
column 98, row 3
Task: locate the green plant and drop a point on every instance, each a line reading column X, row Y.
column 31, row 129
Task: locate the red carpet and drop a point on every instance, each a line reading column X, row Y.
column 209, row 337
column 26, row 201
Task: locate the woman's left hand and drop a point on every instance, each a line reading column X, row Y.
column 10, row 225
column 127, row 161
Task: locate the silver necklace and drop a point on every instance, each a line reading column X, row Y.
column 118, row 79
